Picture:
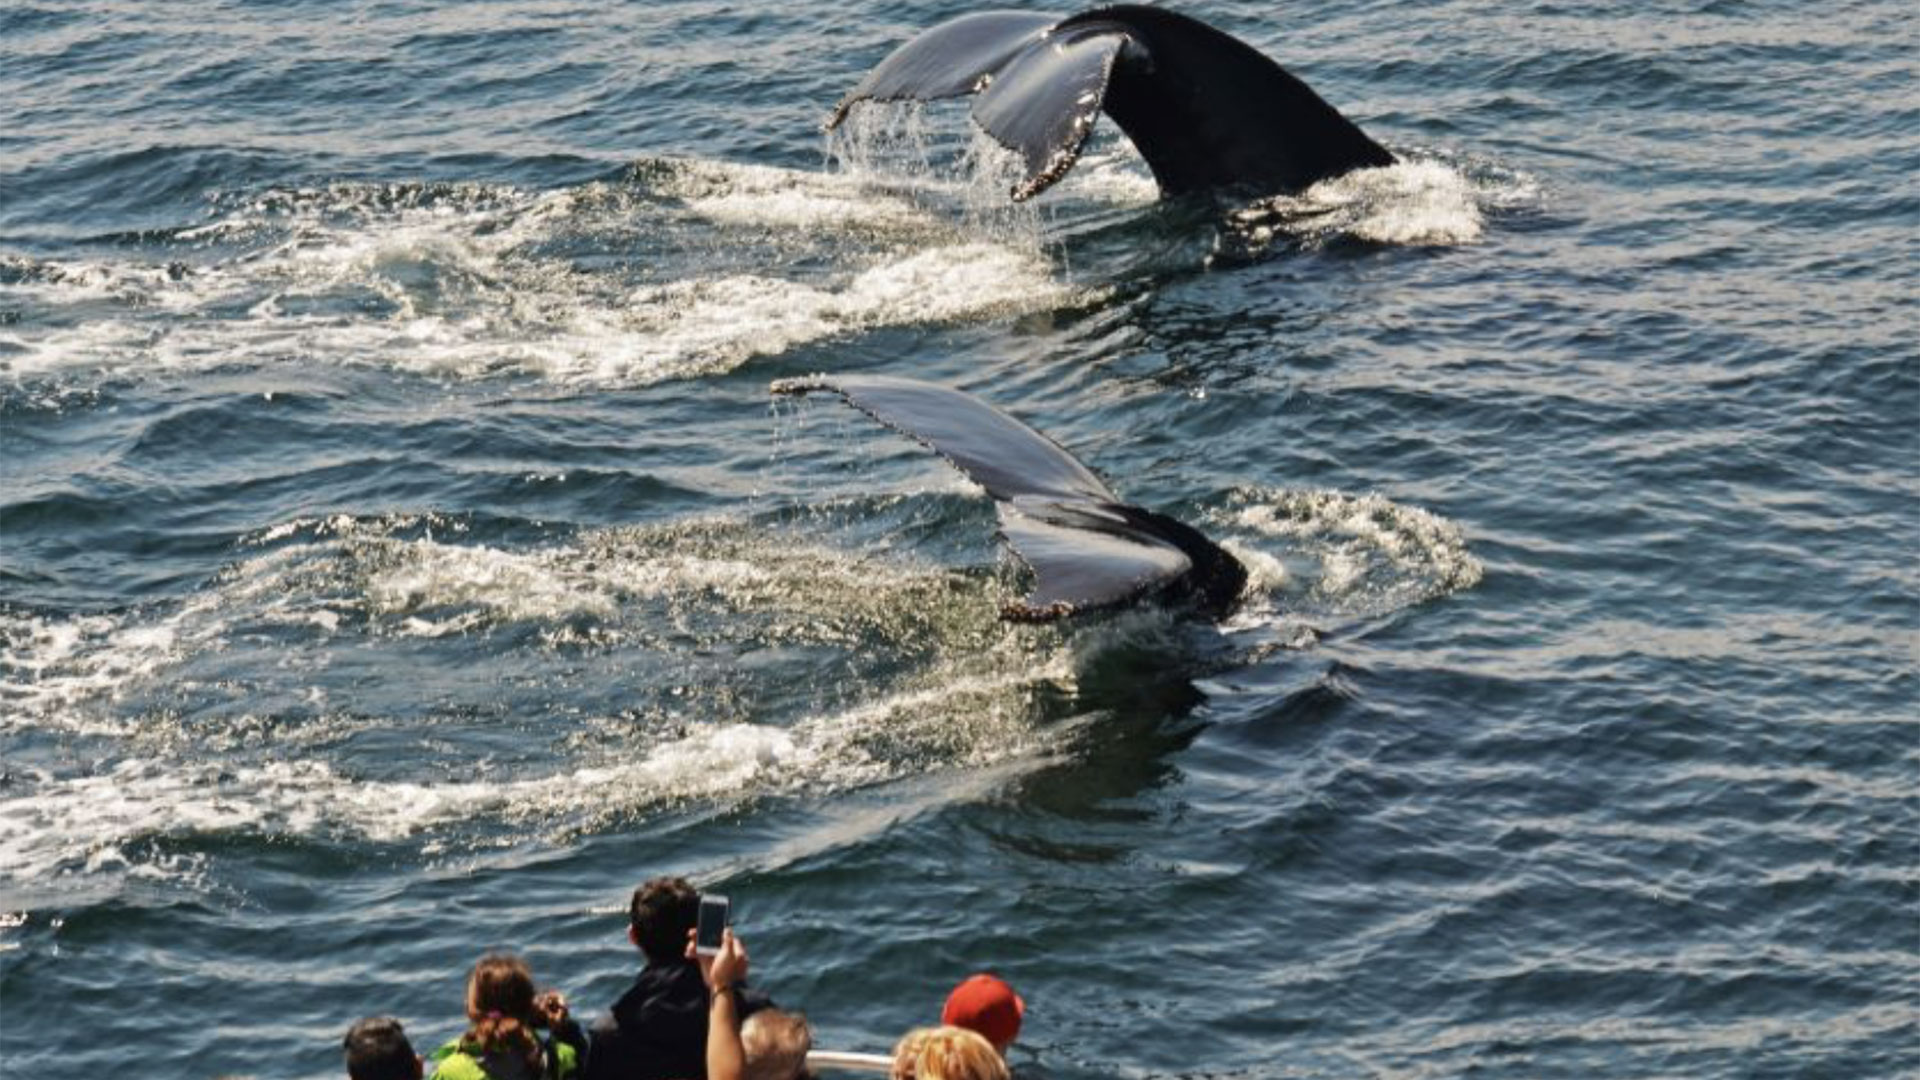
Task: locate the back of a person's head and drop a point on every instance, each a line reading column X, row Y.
column 377, row 1049
column 947, row 1053
column 986, row 1004
column 500, row 1012
column 662, row 912
column 775, row 1043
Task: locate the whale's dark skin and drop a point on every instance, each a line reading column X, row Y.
column 1207, row 111
column 1087, row 549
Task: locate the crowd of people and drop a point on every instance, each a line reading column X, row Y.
column 688, row 1016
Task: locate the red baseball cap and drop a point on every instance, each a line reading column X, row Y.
column 986, row 1004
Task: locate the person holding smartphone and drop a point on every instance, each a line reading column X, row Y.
column 659, row 1028
column 723, row 968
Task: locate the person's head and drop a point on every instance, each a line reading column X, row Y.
column 662, row 912
column 500, row 1012
column 377, row 1049
column 775, row 1043
column 986, row 1004
column 947, row 1053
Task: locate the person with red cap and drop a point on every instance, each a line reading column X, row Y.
column 986, row 1004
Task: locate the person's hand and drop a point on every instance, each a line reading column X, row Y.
column 551, row 1006
column 725, row 968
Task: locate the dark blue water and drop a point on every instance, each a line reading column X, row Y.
column 400, row 554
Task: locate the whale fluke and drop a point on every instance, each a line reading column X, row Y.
column 1205, row 110
column 1087, row 549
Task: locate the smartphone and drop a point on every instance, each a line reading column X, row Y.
column 715, row 913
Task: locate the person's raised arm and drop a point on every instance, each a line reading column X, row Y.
column 726, row 1058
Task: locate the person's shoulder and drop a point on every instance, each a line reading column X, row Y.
column 751, row 1000
column 452, row 1063
column 604, row 1026
column 609, row 1049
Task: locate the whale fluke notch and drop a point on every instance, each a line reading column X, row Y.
column 1087, row 550
column 1206, row 110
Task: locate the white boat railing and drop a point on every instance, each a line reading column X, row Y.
column 846, row 1061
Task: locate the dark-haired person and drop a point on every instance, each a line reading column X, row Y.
column 504, row 1017
column 658, row 1028
column 377, row 1049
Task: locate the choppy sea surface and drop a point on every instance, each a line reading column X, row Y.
column 401, row 556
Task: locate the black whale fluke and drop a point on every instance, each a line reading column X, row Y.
column 1205, row 110
column 1087, row 550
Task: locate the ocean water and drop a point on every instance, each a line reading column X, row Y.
column 401, row 555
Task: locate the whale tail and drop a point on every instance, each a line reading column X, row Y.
column 1204, row 109
column 1087, row 550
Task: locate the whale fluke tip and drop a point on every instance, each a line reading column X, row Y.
column 1087, row 550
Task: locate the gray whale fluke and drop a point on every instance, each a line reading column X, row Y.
column 1204, row 109
column 1087, row 549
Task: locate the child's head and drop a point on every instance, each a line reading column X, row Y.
column 377, row 1049
column 500, row 1012
column 775, row 1043
column 947, row 1053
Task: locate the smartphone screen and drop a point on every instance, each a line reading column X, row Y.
column 713, row 920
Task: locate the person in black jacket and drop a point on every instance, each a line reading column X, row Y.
column 658, row 1028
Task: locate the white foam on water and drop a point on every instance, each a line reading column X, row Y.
column 485, row 585
column 48, row 667
column 1369, row 554
column 431, row 588
column 459, row 282
column 1266, row 573
column 151, row 781
column 1416, row 202
column 1410, row 203
column 709, row 326
column 791, row 199
column 121, row 816
column 374, row 577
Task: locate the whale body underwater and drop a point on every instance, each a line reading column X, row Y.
column 1088, row 550
column 1207, row 111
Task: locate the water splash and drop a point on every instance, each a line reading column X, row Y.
column 1421, row 201
column 1347, row 555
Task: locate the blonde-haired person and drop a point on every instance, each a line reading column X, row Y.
column 776, row 1042
column 504, row 1016
column 947, row 1053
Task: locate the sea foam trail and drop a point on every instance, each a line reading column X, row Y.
column 155, row 782
column 471, row 281
column 154, row 785
column 125, row 815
